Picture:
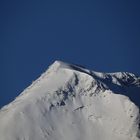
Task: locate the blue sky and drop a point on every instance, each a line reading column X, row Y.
column 101, row 35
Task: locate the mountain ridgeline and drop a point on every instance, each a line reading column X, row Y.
column 70, row 102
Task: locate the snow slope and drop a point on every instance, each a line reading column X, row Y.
column 69, row 102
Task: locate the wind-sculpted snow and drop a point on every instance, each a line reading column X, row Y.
column 69, row 102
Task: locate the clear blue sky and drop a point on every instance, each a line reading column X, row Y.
column 101, row 35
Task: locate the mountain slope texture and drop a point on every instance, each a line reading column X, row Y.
column 69, row 102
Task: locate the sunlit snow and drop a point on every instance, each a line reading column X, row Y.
column 69, row 102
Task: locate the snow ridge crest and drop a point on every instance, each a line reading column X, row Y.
column 71, row 102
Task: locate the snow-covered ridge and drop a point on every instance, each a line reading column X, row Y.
column 124, row 76
column 71, row 102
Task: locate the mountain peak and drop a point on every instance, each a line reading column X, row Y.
column 60, row 64
column 64, row 65
column 71, row 102
column 123, row 77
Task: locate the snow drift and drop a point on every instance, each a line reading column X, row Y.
column 69, row 102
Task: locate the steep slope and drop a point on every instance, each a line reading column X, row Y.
column 69, row 102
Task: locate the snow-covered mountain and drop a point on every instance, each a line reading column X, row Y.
column 69, row 102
